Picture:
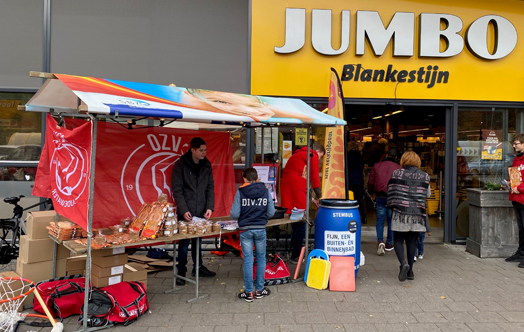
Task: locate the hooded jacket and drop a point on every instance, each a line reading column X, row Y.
column 252, row 206
column 193, row 193
column 380, row 175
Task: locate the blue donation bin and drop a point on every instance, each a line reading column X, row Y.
column 337, row 229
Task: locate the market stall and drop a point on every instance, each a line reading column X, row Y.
column 74, row 189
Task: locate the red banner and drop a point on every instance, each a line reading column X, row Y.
column 63, row 170
column 134, row 166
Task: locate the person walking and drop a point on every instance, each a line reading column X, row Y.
column 408, row 189
column 293, row 190
column 377, row 188
column 252, row 206
column 355, row 169
column 194, row 194
column 516, row 196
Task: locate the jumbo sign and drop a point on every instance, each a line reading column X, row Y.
column 401, row 30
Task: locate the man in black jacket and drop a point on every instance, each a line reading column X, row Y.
column 194, row 194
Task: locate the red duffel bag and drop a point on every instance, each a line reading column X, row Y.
column 123, row 303
column 63, row 296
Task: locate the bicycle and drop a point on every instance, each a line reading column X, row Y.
column 15, row 227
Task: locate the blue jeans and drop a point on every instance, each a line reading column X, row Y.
column 420, row 243
column 247, row 238
column 182, row 253
column 382, row 211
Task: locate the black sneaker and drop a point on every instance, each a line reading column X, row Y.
column 403, row 275
column 521, row 264
column 411, row 275
column 181, row 282
column 261, row 293
column 203, row 272
column 248, row 297
column 517, row 256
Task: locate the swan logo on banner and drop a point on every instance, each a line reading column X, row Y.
column 70, row 165
column 150, row 176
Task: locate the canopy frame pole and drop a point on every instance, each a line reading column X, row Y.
column 308, row 197
column 262, row 145
column 92, row 166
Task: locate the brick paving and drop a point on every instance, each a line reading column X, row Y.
column 452, row 291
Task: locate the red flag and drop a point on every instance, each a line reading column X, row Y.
column 63, row 171
column 134, row 167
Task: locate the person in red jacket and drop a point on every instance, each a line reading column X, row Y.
column 378, row 187
column 293, row 190
column 516, row 196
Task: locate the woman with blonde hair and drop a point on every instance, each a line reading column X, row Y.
column 408, row 189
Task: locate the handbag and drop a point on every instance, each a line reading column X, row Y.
column 277, row 271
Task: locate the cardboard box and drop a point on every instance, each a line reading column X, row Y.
column 134, row 272
column 102, row 272
column 76, row 263
column 105, row 281
column 109, row 261
column 39, row 271
column 37, row 222
column 73, row 272
column 144, row 282
column 107, row 252
column 14, row 285
column 40, row 250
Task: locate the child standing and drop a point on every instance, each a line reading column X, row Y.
column 420, row 245
column 252, row 207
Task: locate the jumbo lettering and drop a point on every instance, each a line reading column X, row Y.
column 401, row 29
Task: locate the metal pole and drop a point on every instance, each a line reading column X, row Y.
column 262, row 145
column 92, row 166
column 440, row 197
column 307, row 190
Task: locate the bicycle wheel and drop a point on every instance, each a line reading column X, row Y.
column 9, row 240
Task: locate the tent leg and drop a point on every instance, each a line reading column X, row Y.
column 308, row 198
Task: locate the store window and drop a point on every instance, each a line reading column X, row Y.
column 484, row 152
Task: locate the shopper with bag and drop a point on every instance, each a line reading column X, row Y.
column 253, row 206
column 293, row 190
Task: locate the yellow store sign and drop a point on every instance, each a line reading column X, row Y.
column 389, row 49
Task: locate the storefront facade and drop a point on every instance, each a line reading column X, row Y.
column 454, row 67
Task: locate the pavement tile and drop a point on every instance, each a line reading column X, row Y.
column 385, row 297
column 430, row 317
column 358, row 297
column 248, row 319
column 360, row 327
column 488, row 317
column 279, row 318
column 461, row 306
column 367, row 318
column 262, row 328
column 376, row 307
column 149, row 320
column 459, row 317
column 463, row 296
column 197, row 328
column 296, row 328
column 406, row 307
column 400, row 318
column 232, row 328
column 261, row 305
column 303, row 296
column 187, row 320
column 483, row 327
column 293, row 307
column 423, row 327
column 392, row 327
column 218, row 319
column 328, row 327
column 511, row 305
column 172, row 308
column 340, row 317
column 309, row 318
column 433, row 306
column 410, row 297
column 488, row 306
column 204, row 307
column 236, row 307
column 350, row 307
column 322, row 306
column 513, row 316
column 162, row 329
column 511, row 327
column 331, row 296
column 453, row 327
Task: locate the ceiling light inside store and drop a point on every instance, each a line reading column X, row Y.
column 396, row 112
column 377, row 117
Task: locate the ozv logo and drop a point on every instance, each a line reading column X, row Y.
column 146, row 170
column 401, row 29
column 70, row 165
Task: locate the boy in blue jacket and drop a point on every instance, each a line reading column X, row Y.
column 252, row 207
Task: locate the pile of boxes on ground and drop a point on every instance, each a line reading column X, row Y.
column 35, row 261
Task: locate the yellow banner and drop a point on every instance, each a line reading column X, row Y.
column 333, row 174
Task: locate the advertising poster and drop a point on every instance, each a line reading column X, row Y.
column 287, row 151
column 492, row 144
column 267, row 173
column 300, row 136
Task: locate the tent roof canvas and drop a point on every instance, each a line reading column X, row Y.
column 133, row 99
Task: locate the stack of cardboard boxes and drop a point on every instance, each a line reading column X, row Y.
column 35, row 260
column 110, row 266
